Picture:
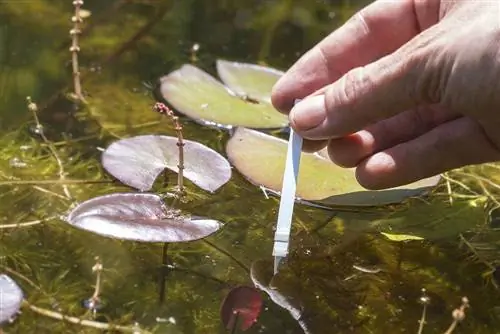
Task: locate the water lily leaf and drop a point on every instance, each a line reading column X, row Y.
column 261, row 158
column 139, row 217
column 241, row 308
column 137, row 162
column 254, row 81
column 401, row 237
column 199, row 96
column 11, row 297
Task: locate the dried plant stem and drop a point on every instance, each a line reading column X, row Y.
column 458, row 315
column 83, row 322
column 25, row 224
column 422, row 320
column 75, row 48
column 424, row 300
column 163, row 109
column 63, row 182
column 97, row 268
column 62, row 174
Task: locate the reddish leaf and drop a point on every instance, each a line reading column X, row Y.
column 140, row 217
column 137, row 162
column 242, row 307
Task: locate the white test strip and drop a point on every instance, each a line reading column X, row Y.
column 287, row 201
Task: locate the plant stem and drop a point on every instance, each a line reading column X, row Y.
column 25, row 224
column 422, row 320
column 75, row 48
column 164, row 271
column 458, row 315
column 83, row 322
column 97, row 268
column 62, row 174
column 233, row 322
column 163, row 109
column 63, row 182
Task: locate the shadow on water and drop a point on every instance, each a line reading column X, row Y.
column 342, row 275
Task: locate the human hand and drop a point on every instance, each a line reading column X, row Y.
column 404, row 90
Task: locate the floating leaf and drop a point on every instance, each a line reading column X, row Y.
column 11, row 297
column 261, row 157
column 140, row 217
column 401, row 237
column 199, row 96
column 241, row 307
column 137, row 162
column 250, row 80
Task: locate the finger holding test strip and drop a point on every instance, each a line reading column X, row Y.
column 287, row 201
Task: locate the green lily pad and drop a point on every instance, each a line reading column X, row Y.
column 261, row 158
column 201, row 97
column 254, row 81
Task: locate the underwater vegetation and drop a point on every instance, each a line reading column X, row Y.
column 146, row 203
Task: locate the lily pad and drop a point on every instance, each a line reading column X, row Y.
column 137, row 162
column 139, row 217
column 252, row 80
column 198, row 95
column 241, row 308
column 11, row 297
column 261, row 157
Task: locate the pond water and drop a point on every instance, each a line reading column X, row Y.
column 342, row 276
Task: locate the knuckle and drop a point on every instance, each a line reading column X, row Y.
column 353, row 85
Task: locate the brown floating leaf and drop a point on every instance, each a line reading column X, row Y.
column 242, row 307
column 140, row 217
column 138, row 161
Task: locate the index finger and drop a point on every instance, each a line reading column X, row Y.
column 375, row 31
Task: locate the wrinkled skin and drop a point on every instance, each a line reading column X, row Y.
column 404, row 90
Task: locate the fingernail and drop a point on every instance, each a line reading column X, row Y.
column 309, row 113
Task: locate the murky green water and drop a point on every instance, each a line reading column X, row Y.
column 126, row 47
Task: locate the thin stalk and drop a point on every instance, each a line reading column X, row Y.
column 75, row 48
column 63, row 182
column 233, row 322
column 97, row 268
column 62, row 174
column 422, row 320
column 458, row 315
column 26, row 224
column 83, row 322
column 164, row 271
column 424, row 300
column 164, row 110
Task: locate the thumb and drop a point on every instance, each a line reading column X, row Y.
column 365, row 95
